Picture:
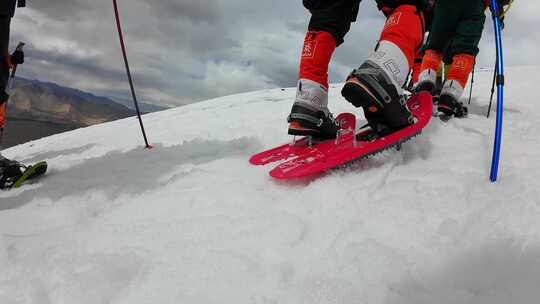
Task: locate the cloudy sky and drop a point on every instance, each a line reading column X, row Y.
column 183, row 51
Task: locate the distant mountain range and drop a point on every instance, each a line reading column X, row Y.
column 54, row 103
column 144, row 107
column 37, row 109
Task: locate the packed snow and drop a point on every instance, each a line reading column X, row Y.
column 190, row 221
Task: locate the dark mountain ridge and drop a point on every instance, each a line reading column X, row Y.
column 37, row 109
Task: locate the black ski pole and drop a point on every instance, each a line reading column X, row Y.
column 492, row 89
column 472, row 83
column 124, row 53
column 11, row 80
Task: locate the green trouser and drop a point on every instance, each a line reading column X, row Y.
column 457, row 27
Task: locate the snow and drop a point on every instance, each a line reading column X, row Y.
column 192, row 222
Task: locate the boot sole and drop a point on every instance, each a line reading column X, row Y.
column 298, row 130
column 449, row 111
column 426, row 86
column 359, row 96
column 302, row 132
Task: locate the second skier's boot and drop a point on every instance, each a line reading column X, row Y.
column 450, row 106
column 458, row 75
column 10, row 171
column 427, row 80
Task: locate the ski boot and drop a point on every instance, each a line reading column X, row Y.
column 426, row 86
column 437, row 89
column 450, row 107
column 13, row 174
column 427, row 80
column 385, row 109
column 310, row 115
column 10, row 172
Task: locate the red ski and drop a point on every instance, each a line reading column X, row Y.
column 306, row 159
column 346, row 148
column 286, row 151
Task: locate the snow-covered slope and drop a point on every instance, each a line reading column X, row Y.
column 192, row 222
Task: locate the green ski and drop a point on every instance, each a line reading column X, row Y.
column 31, row 172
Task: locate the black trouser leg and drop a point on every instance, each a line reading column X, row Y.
column 5, row 22
column 334, row 16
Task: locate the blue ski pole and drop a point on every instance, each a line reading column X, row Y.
column 500, row 91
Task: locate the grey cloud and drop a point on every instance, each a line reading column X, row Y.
column 196, row 11
column 183, row 51
column 64, row 10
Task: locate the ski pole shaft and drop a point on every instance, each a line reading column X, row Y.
column 500, row 92
column 11, row 80
column 128, row 72
column 472, row 83
column 492, row 89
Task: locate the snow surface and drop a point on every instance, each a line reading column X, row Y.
column 192, row 222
